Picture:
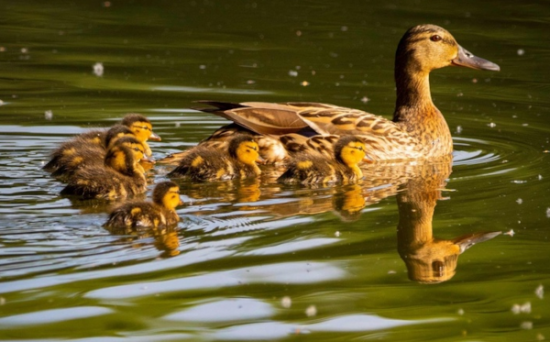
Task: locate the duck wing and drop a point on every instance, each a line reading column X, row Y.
column 300, row 117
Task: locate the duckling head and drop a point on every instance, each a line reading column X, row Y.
column 138, row 150
column 167, row 195
column 350, row 151
column 424, row 48
column 245, row 149
column 121, row 158
column 116, row 132
column 140, row 126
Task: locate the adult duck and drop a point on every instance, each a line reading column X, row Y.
column 417, row 130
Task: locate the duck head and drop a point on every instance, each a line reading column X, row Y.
column 350, row 151
column 116, row 132
column 121, row 158
column 424, row 48
column 167, row 195
column 139, row 151
column 246, row 150
column 140, row 126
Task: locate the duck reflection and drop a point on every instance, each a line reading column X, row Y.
column 166, row 240
column 428, row 259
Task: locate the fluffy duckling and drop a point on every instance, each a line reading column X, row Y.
column 142, row 129
column 203, row 164
column 159, row 213
column 132, row 124
column 120, row 176
column 91, row 155
column 349, row 151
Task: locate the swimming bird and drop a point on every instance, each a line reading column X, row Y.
column 203, row 164
column 343, row 167
column 93, row 156
column 161, row 212
column 119, row 177
column 418, row 130
column 132, row 124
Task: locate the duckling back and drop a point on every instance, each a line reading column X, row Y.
column 134, row 215
column 159, row 213
column 310, row 169
column 117, row 178
column 203, row 164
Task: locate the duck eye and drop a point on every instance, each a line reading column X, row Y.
column 435, row 38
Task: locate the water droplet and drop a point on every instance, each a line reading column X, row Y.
column 48, row 115
column 521, row 52
column 539, row 291
column 98, row 69
column 286, row 302
column 311, row 311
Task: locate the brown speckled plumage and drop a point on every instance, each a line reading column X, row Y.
column 203, row 163
column 155, row 214
column 417, row 130
column 119, row 177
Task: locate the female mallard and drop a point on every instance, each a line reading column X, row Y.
column 418, row 129
column 159, row 213
column 343, row 167
column 202, row 163
column 121, row 176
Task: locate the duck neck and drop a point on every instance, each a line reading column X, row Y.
column 414, row 99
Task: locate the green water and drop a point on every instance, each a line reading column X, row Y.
column 251, row 260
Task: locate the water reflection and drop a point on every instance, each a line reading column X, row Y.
column 428, row 259
column 417, row 187
column 166, row 240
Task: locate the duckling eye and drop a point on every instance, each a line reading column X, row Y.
column 435, row 38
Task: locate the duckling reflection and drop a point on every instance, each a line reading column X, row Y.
column 166, row 240
column 428, row 259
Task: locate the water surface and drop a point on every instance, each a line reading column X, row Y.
column 253, row 260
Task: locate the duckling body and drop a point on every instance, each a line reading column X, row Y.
column 417, row 130
column 204, row 164
column 158, row 213
column 343, row 167
column 93, row 156
column 135, row 125
column 119, row 177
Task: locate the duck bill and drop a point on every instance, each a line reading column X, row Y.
column 147, row 161
column 368, row 159
column 154, row 137
column 181, row 202
column 467, row 59
column 260, row 160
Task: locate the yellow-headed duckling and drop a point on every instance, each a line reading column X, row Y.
column 203, row 164
column 121, row 176
column 142, row 129
column 161, row 212
column 93, row 156
column 343, row 167
column 132, row 125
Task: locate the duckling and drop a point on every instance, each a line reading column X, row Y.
column 91, row 155
column 203, row 164
column 159, row 213
column 349, row 151
column 273, row 149
column 418, row 130
column 142, row 129
column 119, row 177
column 132, row 124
